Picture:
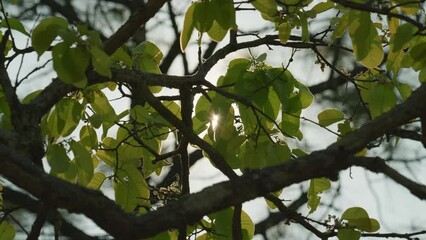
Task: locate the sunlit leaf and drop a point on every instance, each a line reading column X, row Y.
column 317, row 186
column 188, row 27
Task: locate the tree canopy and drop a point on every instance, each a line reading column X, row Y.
column 99, row 98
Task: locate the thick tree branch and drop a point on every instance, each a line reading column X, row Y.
column 188, row 209
column 129, row 28
column 38, row 223
column 25, row 201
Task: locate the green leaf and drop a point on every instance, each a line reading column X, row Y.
column 14, row 24
column 108, row 156
column 395, row 59
column 188, row 27
column 131, row 188
column 57, row 158
column 417, row 53
column 304, row 95
column 381, row 99
column 330, row 116
column 125, row 195
column 7, row 231
column 367, row 44
column 290, row 123
column 83, row 160
column 422, row 76
column 405, row 90
column 69, row 113
column 403, row 35
column 45, row 32
column 223, row 225
column 203, row 16
column 268, row 7
column 322, row 7
column 122, row 58
column 70, row 63
column 96, row 181
column 304, row 26
column 317, row 186
column 217, row 32
column 341, row 27
column 358, row 218
column 284, row 31
column 264, row 153
column 344, row 128
column 247, row 226
column 101, row 62
column 102, row 107
column 224, row 13
column 88, row 137
column 348, row 234
column 148, row 57
column 27, row 99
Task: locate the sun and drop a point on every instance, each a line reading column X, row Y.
column 214, row 121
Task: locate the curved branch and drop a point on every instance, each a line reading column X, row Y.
column 384, row 11
column 275, row 218
column 379, row 165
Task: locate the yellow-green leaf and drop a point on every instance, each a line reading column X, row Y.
column 188, row 27
column 367, row 44
column 7, row 231
column 268, row 7
column 330, row 116
column 284, row 31
column 405, row 90
column 96, row 181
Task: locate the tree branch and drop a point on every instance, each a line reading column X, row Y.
column 129, row 28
